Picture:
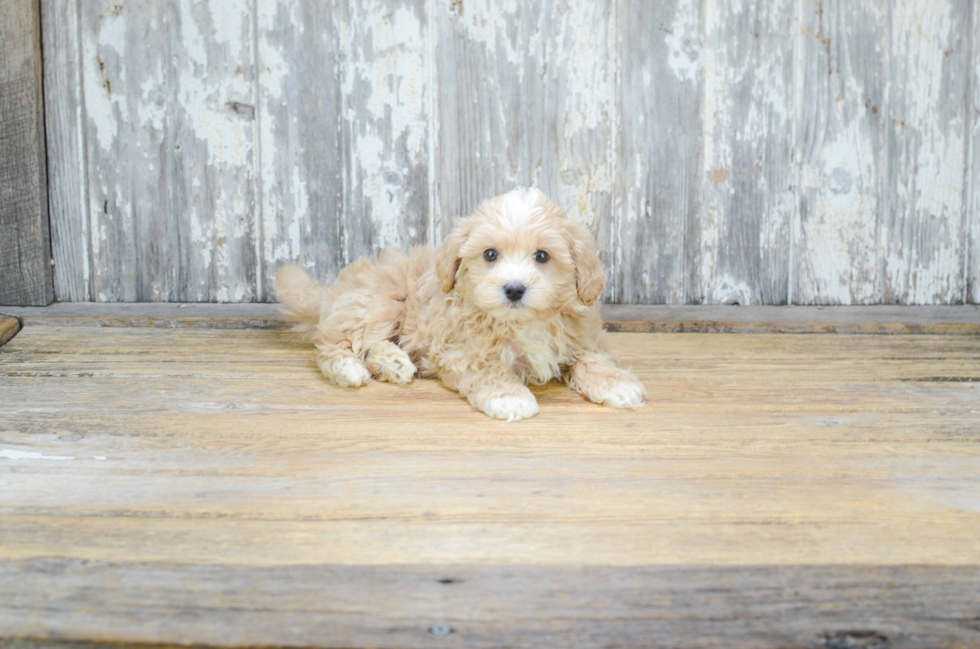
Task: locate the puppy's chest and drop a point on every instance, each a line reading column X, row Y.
column 535, row 357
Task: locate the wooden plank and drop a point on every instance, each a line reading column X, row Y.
column 345, row 167
column 299, row 115
column 842, row 148
column 479, row 63
column 169, row 106
column 527, row 96
column 8, row 328
column 748, row 151
column 208, row 488
column 923, row 231
column 67, row 168
column 655, row 246
column 384, row 132
column 950, row 320
column 25, row 247
column 465, row 606
column 569, row 111
column 973, row 163
column 956, row 320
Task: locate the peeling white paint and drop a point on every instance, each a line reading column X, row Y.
column 300, row 213
column 716, row 154
column 684, row 39
column 728, row 290
column 579, row 54
column 923, row 262
column 483, row 22
column 239, row 164
column 839, row 234
column 387, row 63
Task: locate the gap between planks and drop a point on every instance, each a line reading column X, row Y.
column 931, row 320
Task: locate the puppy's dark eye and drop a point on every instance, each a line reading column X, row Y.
column 541, row 256
column 490, row 254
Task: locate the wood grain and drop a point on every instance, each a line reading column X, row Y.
column 299, row 111
column 207, row 487
column 841, row 140
column 494, row 606
column 480, row 63
column 950, row 320
column 25, row 244
column 345, row 168
column 64, row 109
column 384, row 132
column 793, row 151
column 972, row 237
column 748, row 151
column 168, row 90
column 923, row 228
column 655, row 242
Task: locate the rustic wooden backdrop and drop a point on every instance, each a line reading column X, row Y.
column 800, row 151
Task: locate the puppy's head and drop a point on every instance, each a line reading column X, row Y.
column 519, row 257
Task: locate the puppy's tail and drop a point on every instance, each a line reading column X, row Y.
column 302, row 297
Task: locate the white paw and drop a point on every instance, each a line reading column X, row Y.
column 393, row 365
column 627, row 393
column 347, row 372
column 511, row 408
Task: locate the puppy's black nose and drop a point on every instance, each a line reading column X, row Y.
column 514, row 292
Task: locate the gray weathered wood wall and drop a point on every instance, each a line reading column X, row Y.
column 25, row 242
column 767, row 152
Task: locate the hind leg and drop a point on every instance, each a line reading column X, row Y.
column 341, row 366
column 389, row 362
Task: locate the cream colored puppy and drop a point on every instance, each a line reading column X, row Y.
column 509, row 299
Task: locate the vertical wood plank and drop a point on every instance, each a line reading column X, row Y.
column 750, row 174
column 213, row 163
column 169, row 108
column 64, row 124
column 973, row 168
column 299, row 111
column 570, row 111
column 656, row 245
column 384, row 131
column 480, row 63
column 344, row 122
column 119, row 165
column 25, row 245
column 841, row 147
column 527, row 96
column 923, row 229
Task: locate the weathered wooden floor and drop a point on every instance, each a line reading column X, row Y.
column 201, row 486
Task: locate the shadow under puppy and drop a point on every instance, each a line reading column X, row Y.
column 509, row 299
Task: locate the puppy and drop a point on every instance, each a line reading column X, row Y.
column 509, row 299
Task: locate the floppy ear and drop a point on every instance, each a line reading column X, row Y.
column 589, row 276
column 447, row 256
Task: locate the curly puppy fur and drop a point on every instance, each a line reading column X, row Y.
column 486, row 324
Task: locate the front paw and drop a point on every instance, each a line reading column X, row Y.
column 627, row 392
column 510, row 405
column 390, row 363
column 346, row 371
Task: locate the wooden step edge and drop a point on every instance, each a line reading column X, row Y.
column 935, row 320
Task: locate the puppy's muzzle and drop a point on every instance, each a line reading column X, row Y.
column 514, row 292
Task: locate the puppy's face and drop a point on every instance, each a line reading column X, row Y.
column 519, row 258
